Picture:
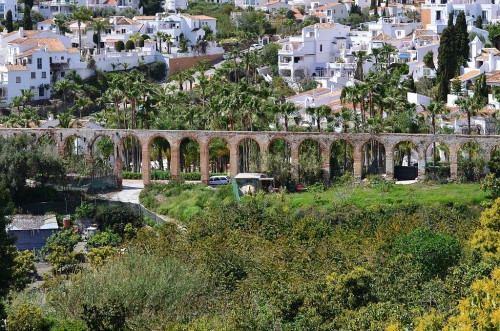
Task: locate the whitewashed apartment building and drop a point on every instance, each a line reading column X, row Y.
column 5, row 6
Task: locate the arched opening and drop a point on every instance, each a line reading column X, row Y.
column 160, row 153
column 471, row 165
column 437, row 161
column 249, row 156
column 341, row 159
column 48, row 142
column 310, row 167
column 279, row 163
column 132, row 156
column 373, row 158
column 494, row 164
column 190, row 155
column 218, row 156
column 103, row 159
column 75, row 159
column 405, row 160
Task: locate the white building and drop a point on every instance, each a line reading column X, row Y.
column 435, row 13
column 35, row 60
column 5, row 6
column 53, row 7
column 173, row 5
column 330, row 12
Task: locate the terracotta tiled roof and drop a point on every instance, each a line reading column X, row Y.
column 337, row 105
column 28, row 52
column 331, row 94
column 322, row 25
column 73, row 50
column 319, row 14
column 110, row 2
column 383, row 37
column 204, row 17
column 49, row 21
column 469, row 75
column 298, row 15
column 144, row 18
column 489, row 50
column 15, row 67
column 494, row 78
column 328, row 5
column 126, row 21
column 310, row 92
column 27, row 33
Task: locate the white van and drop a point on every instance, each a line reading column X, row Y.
column 218, row 180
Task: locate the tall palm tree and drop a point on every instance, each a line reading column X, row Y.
column 99, row 26
column 434, row 109
column 319, row 113
column 360, row 57
column 471, row 106
column 81, row 15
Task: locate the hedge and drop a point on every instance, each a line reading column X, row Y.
column 165, row 175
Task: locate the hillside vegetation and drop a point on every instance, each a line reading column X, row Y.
column 310, row 261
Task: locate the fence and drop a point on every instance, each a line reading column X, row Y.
column 68, row 207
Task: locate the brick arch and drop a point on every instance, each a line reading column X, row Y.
column 363, row 142
column 462, row 143
column 77, row 136
column 440, row 141
column 278, row 137
column 322, row 145
column 130, row 135
column 157, row 135
column 99, row 135
column 238, row 141
column 404, row 141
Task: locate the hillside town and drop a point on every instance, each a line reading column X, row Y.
column 249, row 165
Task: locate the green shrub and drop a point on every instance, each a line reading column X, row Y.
column 129, row 45
column 119, row 46
column 27, row 317
column 432, row 252
column 105, row 238
column 66, row 239
column 85, row 210
column 116, row 218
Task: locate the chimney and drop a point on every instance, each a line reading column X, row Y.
column 21, row 32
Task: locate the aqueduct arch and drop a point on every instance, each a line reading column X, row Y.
column 233, row 138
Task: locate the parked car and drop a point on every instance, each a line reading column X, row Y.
column 256, row 47
column 219, row 180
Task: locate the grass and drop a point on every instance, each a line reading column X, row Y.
column 185, row 201
column 387, row 194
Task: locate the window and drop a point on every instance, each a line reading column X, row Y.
column 63, row 74
column 62, row 57
column 41, row 91
column 399, row 33
column 44, row 74
column 33, row 75
column 3, row 92
column 39, row 63
column 18, row 79
column 438, row 15
column 321, row 48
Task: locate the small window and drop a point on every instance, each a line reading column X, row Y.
column 62, row 57
column 44, row 74
column 18, row 80
column 321, row 48
column 63, row 74
column 41, row 91
column 39, row 63
column 33, row 75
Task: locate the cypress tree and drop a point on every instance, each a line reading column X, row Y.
column 447, row 62
column 9, row 24
column 27, row 22
column 479, row 22
column 29, row 3
column 450, row 20
column 462, row 39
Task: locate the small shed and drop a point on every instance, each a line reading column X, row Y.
column 31, row 231
column 249, row 183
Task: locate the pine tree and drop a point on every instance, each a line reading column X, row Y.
column 9, row 24
column 462, row 39
column 27, row 22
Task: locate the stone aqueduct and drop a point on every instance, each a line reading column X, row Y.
column 263, row 139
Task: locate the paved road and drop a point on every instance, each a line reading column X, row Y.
column 130, row 193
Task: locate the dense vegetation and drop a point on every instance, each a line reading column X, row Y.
column 307, row 261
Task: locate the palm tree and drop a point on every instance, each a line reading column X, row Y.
column 17, row 102
column 318, row 113
column 471, row 106
column 360, row 58
column 434, row 109
column 81, row 15
column 83, row 103
column 99, row 25
column 168, row 40
column 65, row 119
column 27, row 95
column 61, row 22
column 287, row 110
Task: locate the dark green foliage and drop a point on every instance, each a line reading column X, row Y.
column 109, row 317
column 27, row 21
column 433, row 252
column 129, row 45
column 479, row 22
column 29, row 3
column 21, row 158
column 7, row 248
column 447, row 61
column 66, row 239
column 151, row 7
column 116, row 218
column 141, row 42
column 119, row 46
column 105, row 238
column 9, row 24
column 269, row 54
column 462, row 38
column 157, row 70
column 36, row 17
column 429, row 60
